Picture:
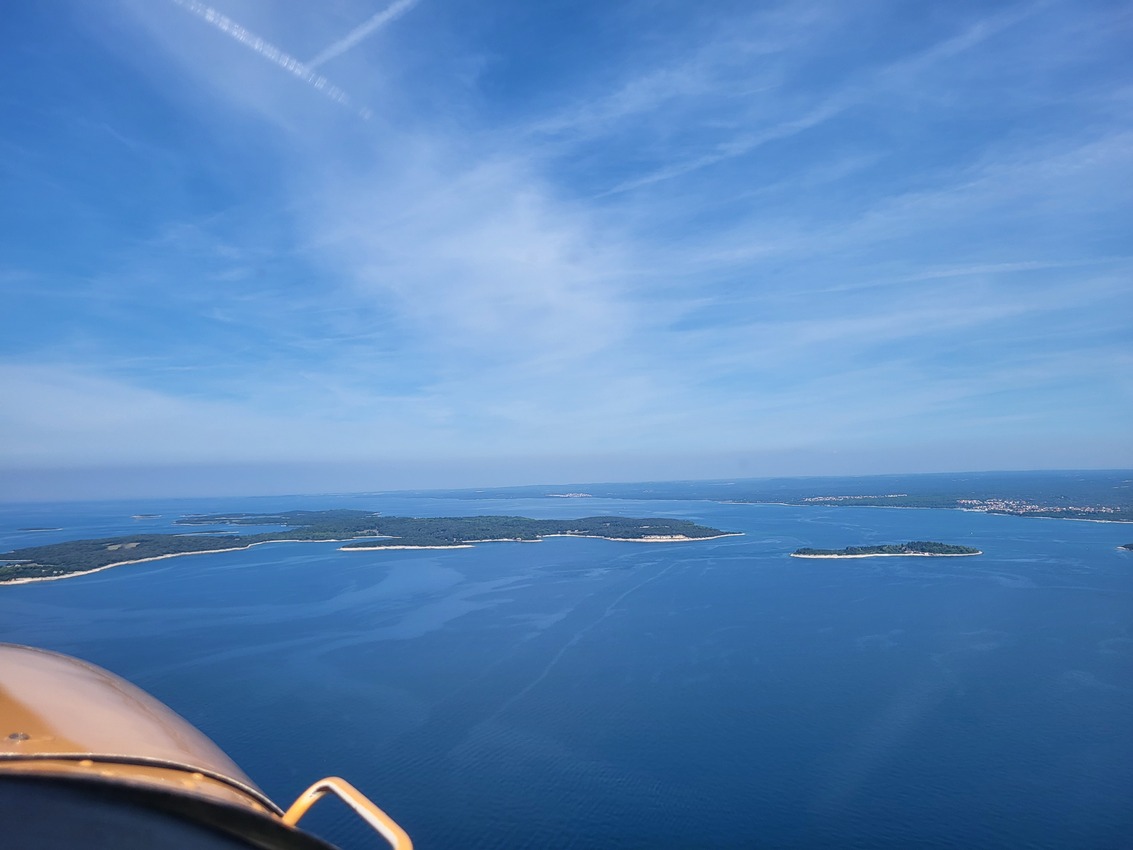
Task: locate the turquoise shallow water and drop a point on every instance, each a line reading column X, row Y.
column 586, row 693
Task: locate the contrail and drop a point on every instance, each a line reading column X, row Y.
column 360, row 32
column 272, row 53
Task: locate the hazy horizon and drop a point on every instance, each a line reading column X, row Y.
column 69, row 485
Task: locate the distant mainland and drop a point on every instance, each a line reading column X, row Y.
column 363, row 530
column 916, row 548
column 1093, row 495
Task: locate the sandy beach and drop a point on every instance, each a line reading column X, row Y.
column 125, row 563
column 401, row 546
column 658, row 538
column 159, row 558
column 465, row 545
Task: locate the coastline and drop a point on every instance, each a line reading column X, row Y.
column 466, row 545
column 405, row 546
column 1067, row 518
column 676, row 538
column 660, row 538
column 34, row 579
column 897, row 555
column 925, row 508
column 78, row 573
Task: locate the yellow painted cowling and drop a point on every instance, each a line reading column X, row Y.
column 89, row 760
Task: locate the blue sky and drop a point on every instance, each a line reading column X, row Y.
column 365, row 244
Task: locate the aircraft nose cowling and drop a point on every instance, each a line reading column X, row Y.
column 61, row 715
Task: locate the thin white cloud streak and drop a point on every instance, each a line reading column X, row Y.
column 273, row 54
column 983, row 269
column 362, row 31
column 897, row 74
column 1025, row 186
column 739, row 146
column 742, row 62
column 903, row 72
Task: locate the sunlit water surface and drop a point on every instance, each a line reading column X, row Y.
column 587, row 693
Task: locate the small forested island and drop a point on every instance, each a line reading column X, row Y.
column 914, row 547
column 363, row 530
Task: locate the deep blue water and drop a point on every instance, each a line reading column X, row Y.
column 587, row 693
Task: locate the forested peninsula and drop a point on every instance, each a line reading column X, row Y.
column 363, row 530
column 914, row 547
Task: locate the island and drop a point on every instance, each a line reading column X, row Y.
column 916, row 548
column 361, row 530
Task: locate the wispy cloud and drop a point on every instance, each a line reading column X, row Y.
column 883, row 82
column 716, row 234
column 739, row 145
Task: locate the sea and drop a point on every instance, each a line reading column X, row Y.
column 581, row 693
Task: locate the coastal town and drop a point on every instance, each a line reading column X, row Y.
column 995, row 505
column 1017, row 506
